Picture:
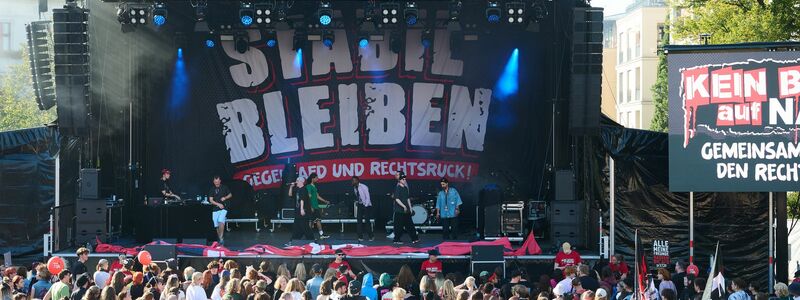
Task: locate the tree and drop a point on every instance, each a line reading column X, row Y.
column 660, row 94
column 18, row 107
column 737, row 21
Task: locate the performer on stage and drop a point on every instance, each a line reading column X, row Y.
column 402, row 212
column 447, row 209
column 363, row 208
column 166, row 190
column 217, row 197
column 301, row 229
column 315, row 198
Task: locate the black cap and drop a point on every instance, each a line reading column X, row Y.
column 434, row 252
column 339, row 251
column 355, row 287
column 82, row 280
column 316, row 268
column 444, row 180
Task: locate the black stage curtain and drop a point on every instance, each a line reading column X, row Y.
column 27, row 188
column 643, row 201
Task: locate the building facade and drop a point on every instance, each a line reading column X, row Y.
column 638, row 35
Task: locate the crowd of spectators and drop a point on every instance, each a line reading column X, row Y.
column 124, row 279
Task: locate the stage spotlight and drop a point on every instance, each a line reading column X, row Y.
column 137, row 14
column 516, row 12
column 455, row 10
column 299, row 41
column 426, row 38
column 325, row 13
column 200, row 10
column 492, row 12
column 396, row 42
column 264, row 13
column 209, row 43
column 246, row 13
column 363, row 41
column 241, row 42
column 411, row 13
column 389, row 13
column 328, row 38
column 159, row 13
column 272, row 41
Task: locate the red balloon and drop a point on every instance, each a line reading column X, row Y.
column 55, row 265
column 144, row 257
column 692, row 269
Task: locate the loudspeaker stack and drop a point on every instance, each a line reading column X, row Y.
column 566, row 212
column 90, row 209
column 587, row 70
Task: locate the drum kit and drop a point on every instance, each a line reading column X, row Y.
column 423, row 212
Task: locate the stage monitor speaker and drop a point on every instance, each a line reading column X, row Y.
column 491, row 221
column 161, row 252
column 89, row 184
column 566, row 212
column 587, row 70
column 90, row 211
column 71, row 69
column 89, row 232
column 487, row 258
column 565, row 185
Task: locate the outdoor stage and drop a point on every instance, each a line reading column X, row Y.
column 243, row 238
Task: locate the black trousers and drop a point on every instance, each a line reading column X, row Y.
column 301, row 229
column 363, row 214
column 403, row 224
column 450, row 227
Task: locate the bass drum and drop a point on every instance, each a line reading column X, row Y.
column 419, row 214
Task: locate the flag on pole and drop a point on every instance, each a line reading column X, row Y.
column 713, row 282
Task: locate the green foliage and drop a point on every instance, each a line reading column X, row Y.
column 660, row 95
column 18, row 107
column 733, row 21
column 793, row 204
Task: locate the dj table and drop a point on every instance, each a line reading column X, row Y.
column 174, row 221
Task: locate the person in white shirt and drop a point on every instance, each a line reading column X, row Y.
column 101, row 274
column 339, row 290
column 565, row 286
column 363, row 208
column 195, row 290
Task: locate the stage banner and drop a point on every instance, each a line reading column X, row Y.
column 472, row 111
column 733, row 121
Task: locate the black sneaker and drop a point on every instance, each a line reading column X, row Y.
column 398, row 243
column 372, row 238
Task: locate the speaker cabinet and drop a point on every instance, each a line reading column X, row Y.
column 89, row 184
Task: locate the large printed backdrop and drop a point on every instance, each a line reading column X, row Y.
column 348, row 110
column 734, row 121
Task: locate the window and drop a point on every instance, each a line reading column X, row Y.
column 630, row 86
column 620, row 47
column 638, row 119
column 629, row 47
column 638, row 85
column 630, row 120
column 620, row 89
column 638, row 43
column 5, row 36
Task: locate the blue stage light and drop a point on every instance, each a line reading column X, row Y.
column 247, row 20
column 363, row 42
column 325, row 20
column 159, row 20
column 411, row 20
column 493, row 18
column 508, row 84
column 272, row 43
column 210, row 43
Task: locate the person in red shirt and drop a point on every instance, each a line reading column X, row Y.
column 117, row 264
column 566, row 257
column 339, row 261
column 618, row 266
column 432, row 265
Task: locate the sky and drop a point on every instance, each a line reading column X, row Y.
column 612, row 7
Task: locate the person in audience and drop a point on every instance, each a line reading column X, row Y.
column 118, row 282
column 668, row 294
column 196, row 290
column 80, row 265
column 325, row 289
column 340, row 261
column 678, row 278
column 42, row 284
column 136, row 289
column 101, row 275
column 666, row 281
column 60, row 289
column 81, row 285
column 781, row 291
column 602, row 294
column 566, row 257
column 447, row 290
column 399, row 294
column 280, row 285
column 738, row 287
column 564, row 287
column 339, row 290
column 92, row 293
column 313, row 284
column 300, row 272
column 219, row 290
column 295, row 288
column 283, row 270
column 405, row 279
column 432, row 265
column 232, row 290
column 468, row 285
column 354, row 291
column 462, row 295
column 108, row 293
column 618, row 266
